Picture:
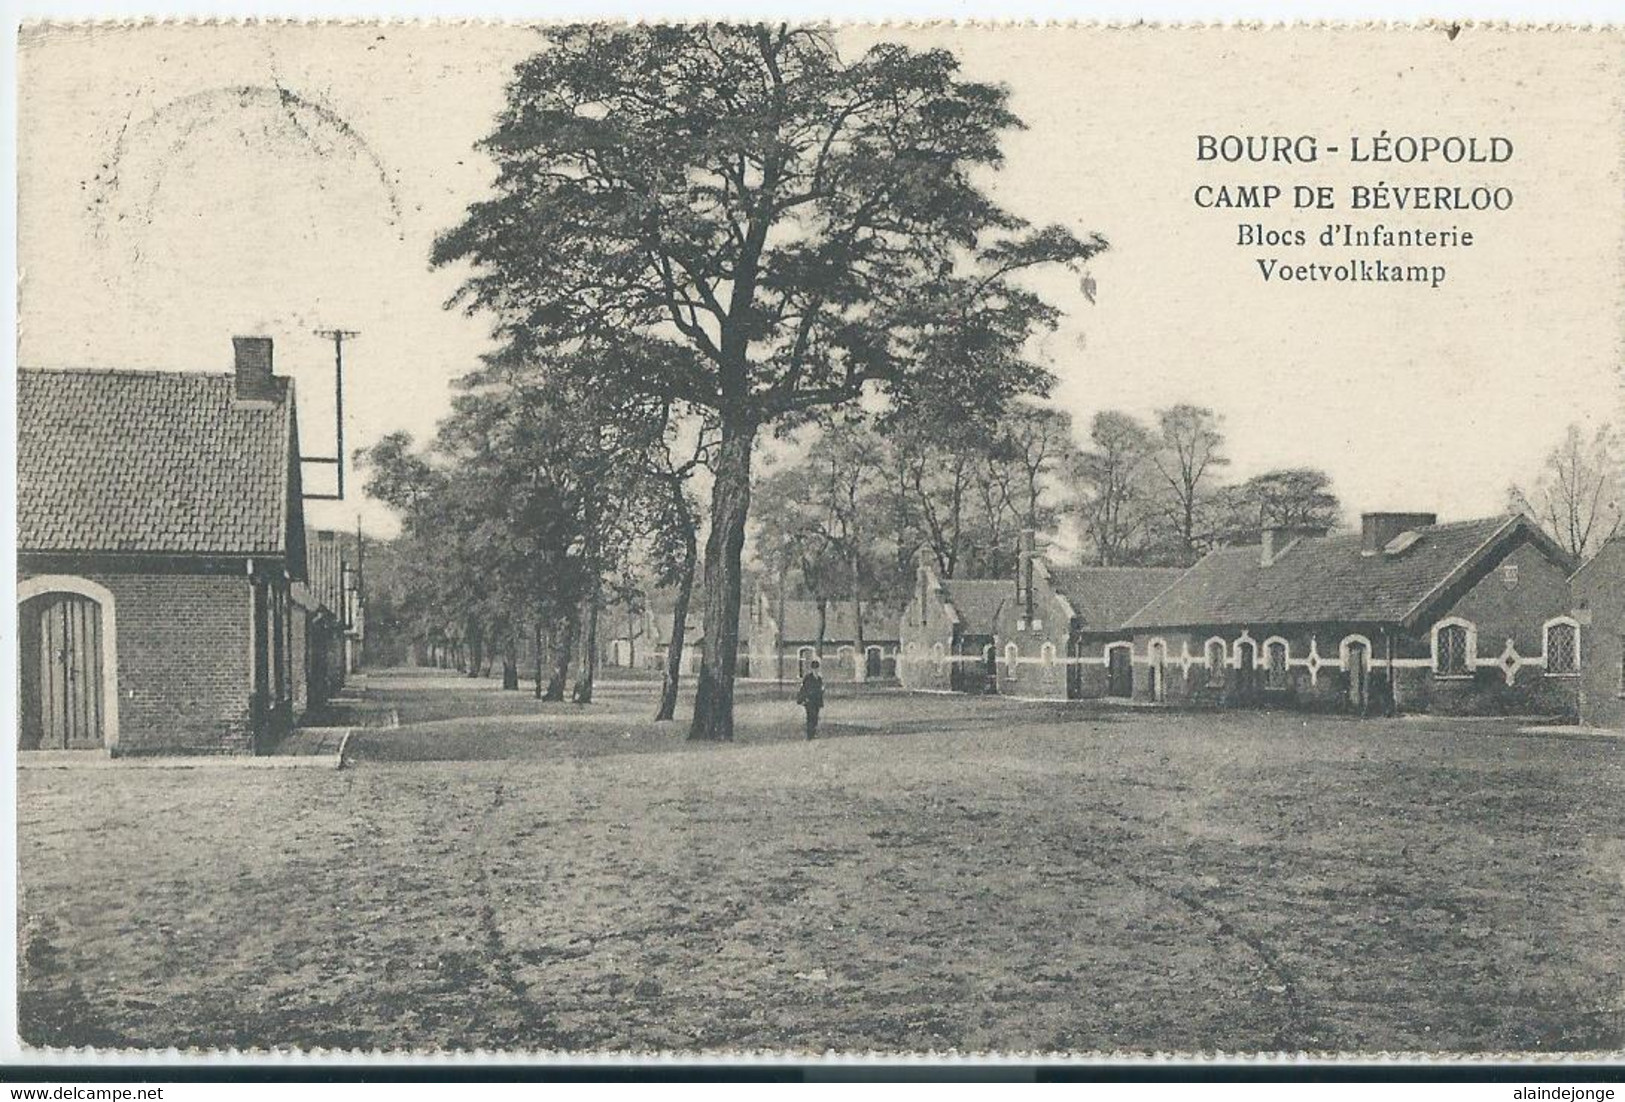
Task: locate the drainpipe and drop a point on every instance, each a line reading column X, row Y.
column 1393, row 678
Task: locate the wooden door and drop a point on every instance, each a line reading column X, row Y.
column 62, row 703
column 1246, row 672
column 1120, row 672
column 1359, row 671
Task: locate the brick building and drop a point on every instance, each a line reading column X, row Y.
column 160, row 530
column 1598, row 592
column 328, row 620
column 1406, row 615
column 948, row 632
column 1055, row 638
column 786, row 635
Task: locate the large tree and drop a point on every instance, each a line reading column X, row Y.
column 1112, row 475
column 810, row 227
column 1188, row 459
column 1287, row 496
column 1579, row 492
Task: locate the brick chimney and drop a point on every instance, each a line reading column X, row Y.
column 1025, row 550
column 1377, row 530
column 254, row 381
column 1278, row 537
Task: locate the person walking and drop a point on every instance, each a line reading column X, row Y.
column 811, row 697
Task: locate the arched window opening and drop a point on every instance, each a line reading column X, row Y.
column 1451, row 657
column 1562, row 649
column 1277, row 658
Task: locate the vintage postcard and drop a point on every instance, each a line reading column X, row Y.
column 820, row 539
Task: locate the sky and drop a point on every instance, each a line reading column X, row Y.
column 182, row 184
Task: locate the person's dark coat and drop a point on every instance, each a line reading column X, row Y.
column 811, row 694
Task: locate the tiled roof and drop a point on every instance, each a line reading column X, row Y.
column 327, row 554
column 978, row 600
column 800, row 625
column 1611, row 553
column 1321, row 580
column 150, row 461
column 1103, row 597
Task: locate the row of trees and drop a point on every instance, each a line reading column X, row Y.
column 530, row 512
column 847, row 518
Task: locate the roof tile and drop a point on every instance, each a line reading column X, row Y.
column 149, row 461
column 1103, row 597
column 1322, row 580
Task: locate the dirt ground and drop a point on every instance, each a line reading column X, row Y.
column 939, row 873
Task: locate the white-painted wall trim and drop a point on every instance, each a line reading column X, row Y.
column 42, row 584
column 1235, row 650
column 1350, row 640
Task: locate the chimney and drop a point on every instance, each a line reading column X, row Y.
column 1276, row 538
column 1377, row 530
column 254, row 381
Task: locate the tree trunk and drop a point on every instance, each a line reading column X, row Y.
column 679, row 628
column 537, row 640
column 588, row 667
column 730, row 504
column 563, row 652
column 860, row 660
column 476, row 648
column 510, row 664
column 778, row 633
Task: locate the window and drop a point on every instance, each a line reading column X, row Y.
column 1215, row 663
column 1562, row 651
column 1450, row 645
column 1277, row 665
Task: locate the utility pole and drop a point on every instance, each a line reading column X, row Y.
column 338, row 336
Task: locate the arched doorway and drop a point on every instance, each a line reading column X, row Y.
column 67, row 648
column 1357, row 664
column 1246, row 671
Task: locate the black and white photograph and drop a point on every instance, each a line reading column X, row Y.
column 796, row 540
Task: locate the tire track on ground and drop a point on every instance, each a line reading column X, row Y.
column 503, row 963
column 1299, row 1020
